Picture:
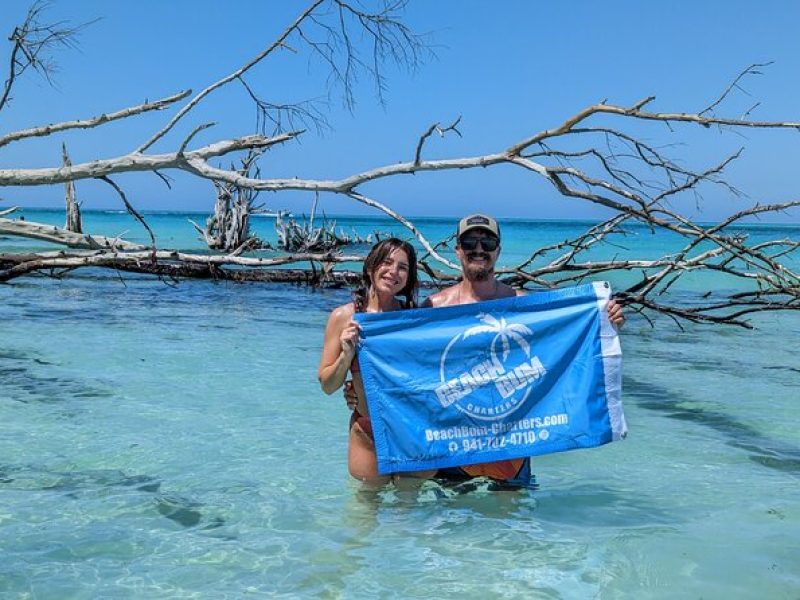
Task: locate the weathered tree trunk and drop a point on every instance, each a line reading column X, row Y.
column 228, row 229
column 73, row 222
column 217, row 224
column 169, row 262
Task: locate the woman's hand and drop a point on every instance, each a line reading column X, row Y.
column 349, row 338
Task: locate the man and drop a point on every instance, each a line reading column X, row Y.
column 478, row 248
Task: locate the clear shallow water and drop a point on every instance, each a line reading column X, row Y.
column 168, row 442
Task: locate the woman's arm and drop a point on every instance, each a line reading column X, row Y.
column 339, row 348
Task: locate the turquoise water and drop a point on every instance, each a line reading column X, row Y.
column 162, row 441
column 174, row 231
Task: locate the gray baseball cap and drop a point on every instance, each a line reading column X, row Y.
column 478, row 221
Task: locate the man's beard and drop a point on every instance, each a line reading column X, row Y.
column 474, row 272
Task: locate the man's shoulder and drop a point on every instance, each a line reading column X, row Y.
column 443, row 297
column 449, row 296
column 506, row 291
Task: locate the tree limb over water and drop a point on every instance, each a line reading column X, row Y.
column 591, row 156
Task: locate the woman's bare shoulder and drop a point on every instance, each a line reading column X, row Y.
column 343, row 312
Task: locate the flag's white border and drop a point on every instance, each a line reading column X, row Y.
column 612, row 362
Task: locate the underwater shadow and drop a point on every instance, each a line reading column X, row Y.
column 183, row 511
column 762, row 450
column 21, row 383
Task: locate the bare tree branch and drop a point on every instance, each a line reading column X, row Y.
column 442, row 131
column 604, row 164
column 56, row 235
column 131, row 210
column 304, row 113
column 751, row 70
column 139, row 162
column 411, row 227
column 228, row 78
column 33, row 41
column 94, row 121
column 389, row 38
column 156, row 262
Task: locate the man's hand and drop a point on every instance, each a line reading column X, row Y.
column 350, row 394
column 615, row 313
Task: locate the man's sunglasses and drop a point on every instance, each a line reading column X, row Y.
column 471, row 243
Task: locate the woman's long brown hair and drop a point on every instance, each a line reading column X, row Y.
column 376, row 256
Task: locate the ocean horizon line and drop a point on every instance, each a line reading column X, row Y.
column 383, row 217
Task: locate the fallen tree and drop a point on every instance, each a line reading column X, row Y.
column 591, row 156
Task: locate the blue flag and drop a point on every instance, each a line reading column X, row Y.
column 496, row 380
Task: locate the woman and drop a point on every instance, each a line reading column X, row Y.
column 390, row 271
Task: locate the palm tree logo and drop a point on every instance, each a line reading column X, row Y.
column 504, row 332
column 473, row 369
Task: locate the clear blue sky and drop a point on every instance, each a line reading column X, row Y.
column 508, row 68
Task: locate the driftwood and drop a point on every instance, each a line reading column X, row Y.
column 73, row 208
column 592, row 156
column 303, row 236
column 228, row 229
column 64, row 237
column 179, row 264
